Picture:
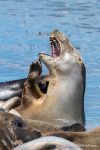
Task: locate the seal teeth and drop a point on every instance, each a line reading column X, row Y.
column 55, row 46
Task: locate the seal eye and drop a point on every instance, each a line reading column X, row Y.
column 18, row 123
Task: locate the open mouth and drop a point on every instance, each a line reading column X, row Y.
column 55, row 46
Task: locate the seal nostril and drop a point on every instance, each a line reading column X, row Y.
column 37, row 134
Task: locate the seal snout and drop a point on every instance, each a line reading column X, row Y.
column 35, row 134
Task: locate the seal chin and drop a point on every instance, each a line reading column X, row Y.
column 46, row 59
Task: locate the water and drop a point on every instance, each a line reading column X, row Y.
column 22, row 21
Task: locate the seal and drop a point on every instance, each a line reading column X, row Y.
column 14, row 131
column 49, row 143
column 63, row 104
column 86, row 140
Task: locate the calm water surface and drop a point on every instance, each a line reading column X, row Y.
column 22, row 21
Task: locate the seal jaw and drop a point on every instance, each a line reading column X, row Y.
column 58, row 43
column 46, row 59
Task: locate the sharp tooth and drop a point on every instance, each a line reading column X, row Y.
column 56, row 43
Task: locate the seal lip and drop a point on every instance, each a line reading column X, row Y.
column 55, row 47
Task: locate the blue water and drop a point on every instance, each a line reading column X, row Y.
column 22, row 21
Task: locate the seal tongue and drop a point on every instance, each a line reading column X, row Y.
column 55, row 51
column 55, row 46
column 53, row 55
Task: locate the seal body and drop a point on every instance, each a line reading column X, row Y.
column 86, row 140
column 11, row 89
column 49, row 143
column 63, row 104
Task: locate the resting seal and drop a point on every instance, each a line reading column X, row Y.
column 63, row 104
column 49, row 143
column 15, row 131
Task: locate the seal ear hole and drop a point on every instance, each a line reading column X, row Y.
column 80, row 59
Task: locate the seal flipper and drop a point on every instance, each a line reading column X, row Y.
column 34, row 73
column 35, row 67
column 31, row 88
